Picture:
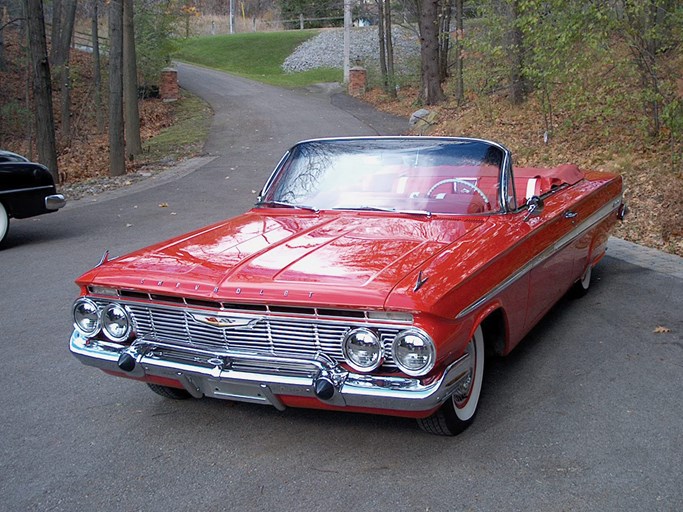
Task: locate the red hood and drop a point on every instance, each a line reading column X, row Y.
column 331, row 258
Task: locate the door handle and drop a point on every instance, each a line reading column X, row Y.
column 570, row 214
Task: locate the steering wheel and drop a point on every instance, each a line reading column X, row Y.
column 462, row 181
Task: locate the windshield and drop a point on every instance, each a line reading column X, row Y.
column 457, row 176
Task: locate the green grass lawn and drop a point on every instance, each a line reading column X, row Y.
column 258, row 56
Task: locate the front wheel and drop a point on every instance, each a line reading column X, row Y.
column 4, row 222
column 456, row 414
column 582, row 286
column 168, row 392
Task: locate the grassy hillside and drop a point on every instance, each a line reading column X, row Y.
column 257, row 56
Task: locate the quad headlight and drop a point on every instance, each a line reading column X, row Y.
column 86, row 316
column 363, row 350
column 414, row 352
column 113, row 320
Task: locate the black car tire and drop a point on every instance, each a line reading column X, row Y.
column 4, row 222
column 455, row 415
column 172, row 393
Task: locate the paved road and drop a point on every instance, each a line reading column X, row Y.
column 584, row 415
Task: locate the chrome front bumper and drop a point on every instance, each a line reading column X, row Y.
column 259, row 378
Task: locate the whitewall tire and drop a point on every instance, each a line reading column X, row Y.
column 458, row 412
column 4, row 222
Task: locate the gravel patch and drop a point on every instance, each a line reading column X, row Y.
column 326, row 50
column 95, row 186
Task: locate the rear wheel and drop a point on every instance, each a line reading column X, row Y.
column 4, row 222
column 458, row 412
column 167, row 392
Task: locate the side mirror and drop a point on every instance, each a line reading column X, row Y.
column 535, row 207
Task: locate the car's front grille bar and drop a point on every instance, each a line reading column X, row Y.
column 269, row 334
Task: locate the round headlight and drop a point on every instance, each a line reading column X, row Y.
column 116, row 322
column 86, row 316
column 414, row 352
column 363, row 350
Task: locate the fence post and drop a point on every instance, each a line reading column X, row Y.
column 301, row 21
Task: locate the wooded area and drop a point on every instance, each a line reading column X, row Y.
column 522, row 47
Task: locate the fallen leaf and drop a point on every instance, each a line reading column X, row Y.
column 128, row 225
column 660, row 329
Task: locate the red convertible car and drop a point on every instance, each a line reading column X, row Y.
column 373, row 275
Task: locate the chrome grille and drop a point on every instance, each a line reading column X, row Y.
column 274, row 335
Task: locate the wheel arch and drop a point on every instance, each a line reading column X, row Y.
column 494, row 327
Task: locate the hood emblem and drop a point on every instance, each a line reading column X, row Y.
column 226, row 322
column 420, row 281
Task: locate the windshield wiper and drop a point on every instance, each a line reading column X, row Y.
column 383, row 209
column 282, row 204
column 365, row 208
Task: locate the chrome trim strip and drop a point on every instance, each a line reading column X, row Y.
column 228, row 375
column 267, row 312
column 29, row 189
column 586, row 225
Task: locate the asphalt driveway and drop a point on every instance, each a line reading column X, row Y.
column 584, row 415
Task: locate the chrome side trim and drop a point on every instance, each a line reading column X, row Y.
column 586, row 225
column 27, row 189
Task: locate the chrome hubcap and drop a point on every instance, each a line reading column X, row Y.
column 464, row 388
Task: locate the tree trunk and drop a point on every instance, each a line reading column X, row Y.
column 63, row 59
column 431, row 93
column 459, row 34
column 518, row 83
column 130, row 84
column 390, row 50
column 444, row 38
column 3, row 64
column 97, row 69
column 42, row 88
column 117, row 162
column 382, row 45
column 56, row 34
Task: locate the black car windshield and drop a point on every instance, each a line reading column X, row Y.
column 430, row 175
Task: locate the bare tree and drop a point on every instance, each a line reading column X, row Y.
column 117, row 162
column 444, row 20
column 62, row 62
column 519, row 85
column 391, row 86
column 3, row 25
column 459, row 34
column 97, row 69
column 382, row 43
column 431, row 92
column 130, row 84
column 56, row 33
column 42, row 88
column 386, row 47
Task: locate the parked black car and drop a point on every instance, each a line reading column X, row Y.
column 26, row 189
